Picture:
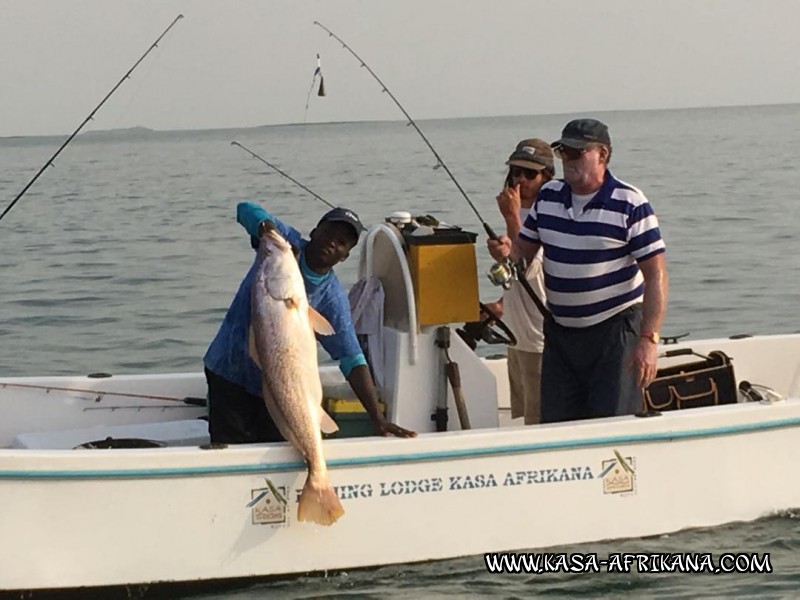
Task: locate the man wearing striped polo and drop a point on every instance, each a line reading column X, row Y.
column 605, row 281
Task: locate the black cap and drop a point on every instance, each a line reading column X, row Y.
column 344, row 215
column 582, row 132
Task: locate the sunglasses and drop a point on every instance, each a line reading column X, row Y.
column 523, row 172
column 567, row 153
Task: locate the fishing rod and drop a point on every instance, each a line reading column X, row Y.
column 49, row 163
column 502, row 272
column 489, row 231
column 101, row 393
column 289, row 177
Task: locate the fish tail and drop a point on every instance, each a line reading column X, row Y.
column 318, row 501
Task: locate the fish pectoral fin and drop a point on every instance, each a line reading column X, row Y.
column 319, row 323
column 326, row 422
column 251, row 347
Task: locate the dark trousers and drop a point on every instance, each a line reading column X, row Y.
column 236, row 416
column 585, row 371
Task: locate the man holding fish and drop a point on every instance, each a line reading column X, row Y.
column 261, row 368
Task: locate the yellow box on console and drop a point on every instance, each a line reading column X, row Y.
column 339, row 406
column 350, row 416
column 445, row 275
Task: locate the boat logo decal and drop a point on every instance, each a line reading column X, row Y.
column 268, row 505
column 619, row 474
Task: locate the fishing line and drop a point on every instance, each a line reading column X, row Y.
column 127, row 75
column 321, row 91
column 289, row 177
column 512, row 270
column 440, row 163
column 145, row 74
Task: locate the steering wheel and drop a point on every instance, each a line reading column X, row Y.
column 491, row 330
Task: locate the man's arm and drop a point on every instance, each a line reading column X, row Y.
column 361, row 382
column 656, row 285
column 515, row 244
column 496, row 307
column 510, row 205
column 523, row 248
column 502, row 248
column 250, row 215
column 343, row 346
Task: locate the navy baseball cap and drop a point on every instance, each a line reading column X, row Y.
column 344, row 215
column 582, row 132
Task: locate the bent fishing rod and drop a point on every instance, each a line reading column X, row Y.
column 507, row 267
column 489, row 231
column 289, row 177
column 100, row 393
column 127, row 75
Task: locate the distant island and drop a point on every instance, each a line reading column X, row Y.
column 99, row 133
column 144, row 132
column 138, row 130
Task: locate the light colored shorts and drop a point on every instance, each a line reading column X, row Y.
column 524, row 378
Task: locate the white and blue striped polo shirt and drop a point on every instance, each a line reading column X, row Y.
column 590, row 258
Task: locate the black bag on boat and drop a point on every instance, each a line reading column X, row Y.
column 706, row 382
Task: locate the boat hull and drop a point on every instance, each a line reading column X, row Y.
column 122, row 517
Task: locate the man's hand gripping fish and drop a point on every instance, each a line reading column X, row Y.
column 282, row 342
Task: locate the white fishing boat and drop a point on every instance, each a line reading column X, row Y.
column 156, row 503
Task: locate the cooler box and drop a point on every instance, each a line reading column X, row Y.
column 350, row 416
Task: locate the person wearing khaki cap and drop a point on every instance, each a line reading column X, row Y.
column 605, row 281
column 530, row 166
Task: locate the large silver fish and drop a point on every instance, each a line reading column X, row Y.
column 282, row 342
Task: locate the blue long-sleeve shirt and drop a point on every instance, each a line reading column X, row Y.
column 228, row 356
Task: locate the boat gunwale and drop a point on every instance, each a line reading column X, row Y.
column 389, row 459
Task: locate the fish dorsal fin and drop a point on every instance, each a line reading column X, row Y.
column 251, row 347
column 319, row 323
column 326, row 422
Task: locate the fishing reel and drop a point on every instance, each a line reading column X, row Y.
column 502, row 274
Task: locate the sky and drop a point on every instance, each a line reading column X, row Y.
column 246, row 63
